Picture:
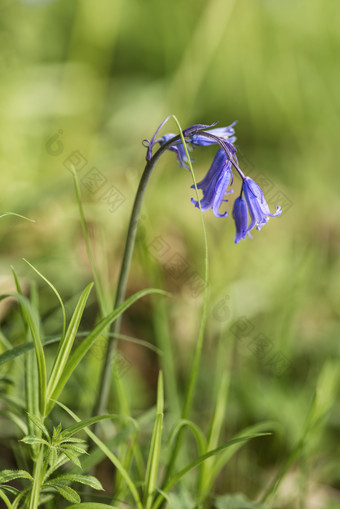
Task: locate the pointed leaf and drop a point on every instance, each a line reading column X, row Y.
column 39, row 424
column 64, row 491
column 72, row 457
column 86, row 344
column 68, row 432
column 54, row 290
column 15, row 352
column 155, row 447
column 33, row 325
column 89, row 480
column 66, row 343
column 30, row 440
column 198, row 461
column 10, row 475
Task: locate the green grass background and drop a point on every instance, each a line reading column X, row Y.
column 106, row 73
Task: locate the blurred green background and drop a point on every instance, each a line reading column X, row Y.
column 90, row 80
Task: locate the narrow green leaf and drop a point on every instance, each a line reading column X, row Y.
column 217, row 420
column 86, row 344
column 72, row 440
column 155, row 447
column 73, row 447
column 31, row 371
column 33, row 326
column 198, row 461
column 65, row 491
column 71, row 430
column 10, row 489
column 66, row 342
column 54, row 290
column 6, row 500
column 17, row 215
column 72, row 457
column 30, row 440
column 15, row 352
column 88, row 480
column 10, row 475
column 226, row 455
column 196, row 431
column 39, row 424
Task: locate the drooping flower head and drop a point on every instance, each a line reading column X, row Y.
column 240, row 215
column 257, row 205
column 216, row 182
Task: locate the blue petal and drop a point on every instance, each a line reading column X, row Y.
column 257, row 205
column 215, row 183
column 240, row 215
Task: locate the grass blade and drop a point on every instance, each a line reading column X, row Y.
column 198, row 461
column 33, row 326
column 86, row 344
column 15, row 352
column 55, row 292
column 66, row 342
column 6, row 500
column 71, row 430
column 155, row 447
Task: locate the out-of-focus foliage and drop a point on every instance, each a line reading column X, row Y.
column 84, row 82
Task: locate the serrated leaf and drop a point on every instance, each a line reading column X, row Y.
column 72, row 457
column 88, row 480
column 72, row 447
column 37, row 422
column 57, row 431
column 65, row 491
column 72, row 440
column 10, row 475
column 111, row 457
column 52, row 457
column 34, row 440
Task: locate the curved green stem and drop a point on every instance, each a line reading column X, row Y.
column 199, row 345
column 104, row 387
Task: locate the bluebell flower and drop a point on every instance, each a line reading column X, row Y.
column 257, row 206
column 250, row 204
column 223, row 133
column 178, row 148
column 240, row 215
column 215, row 184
